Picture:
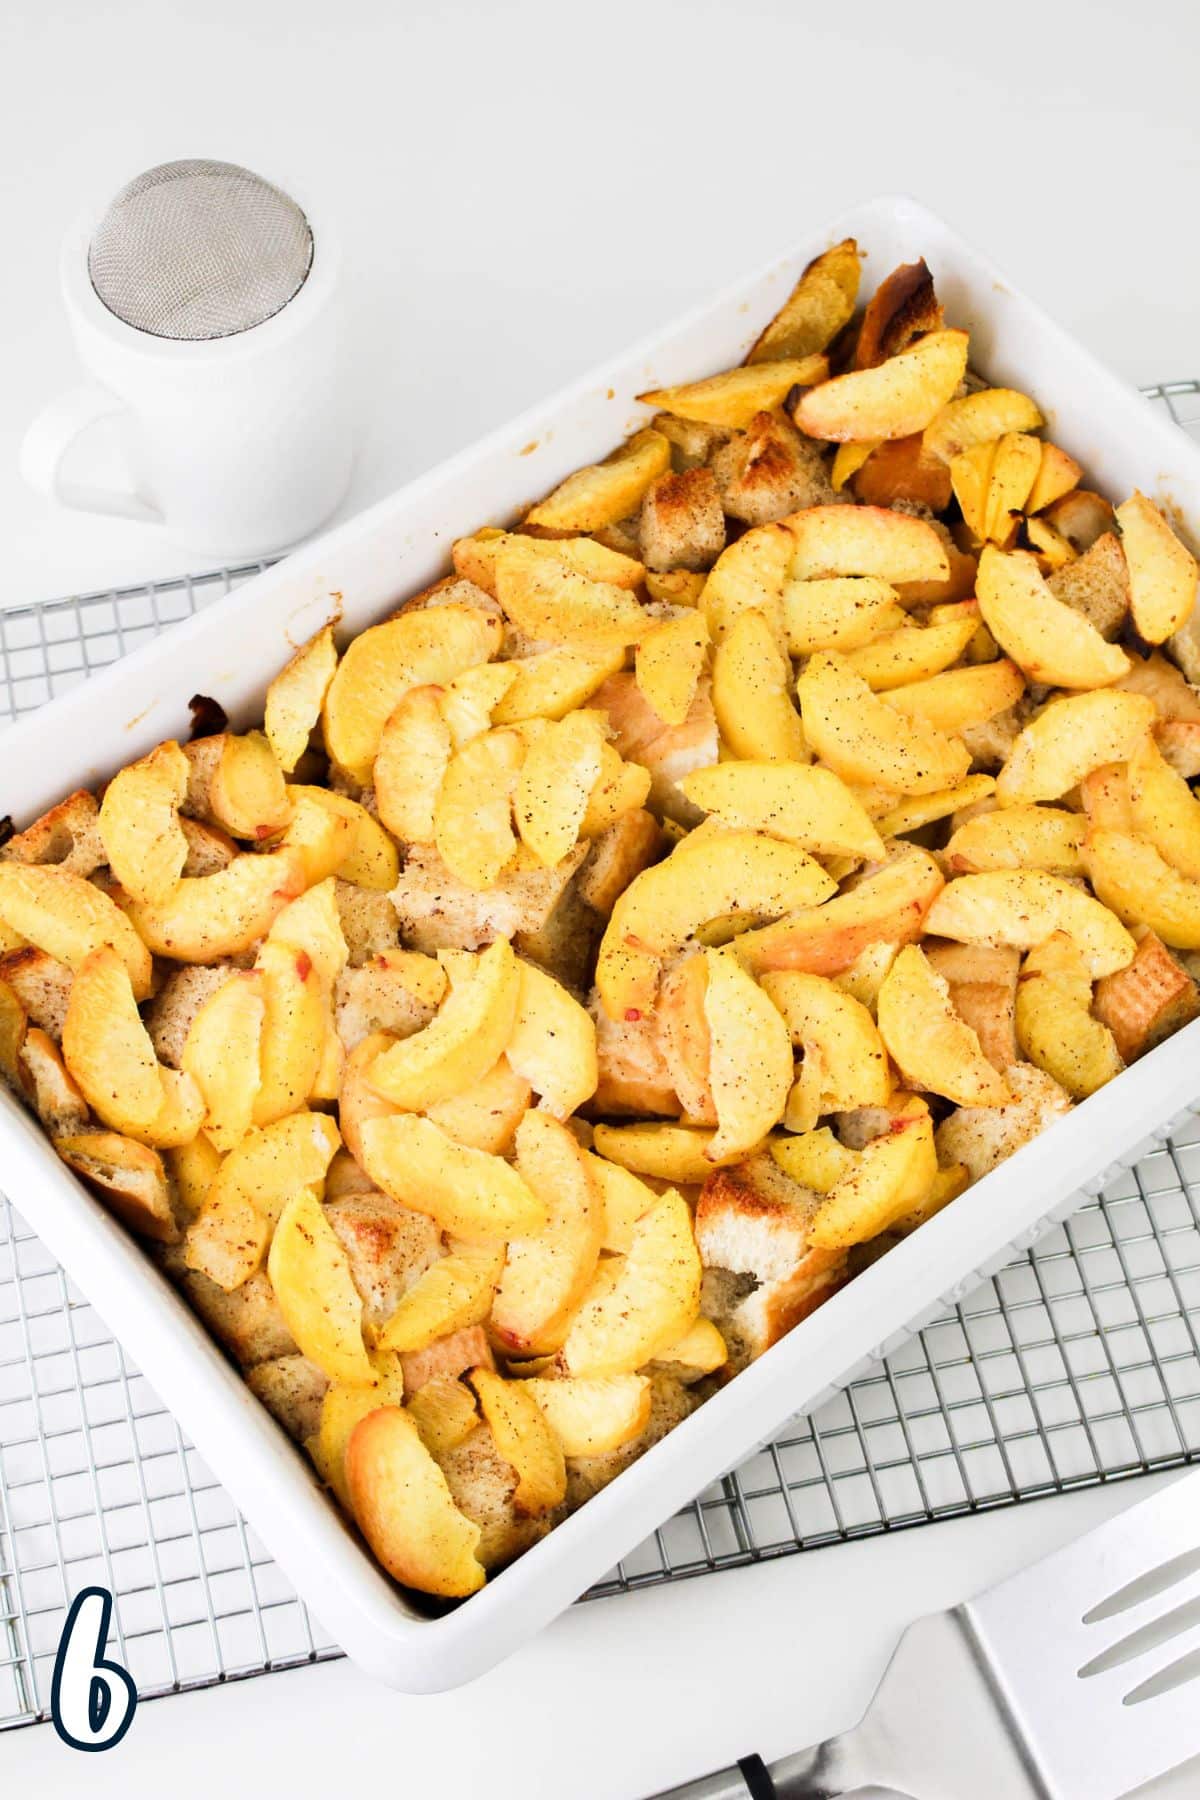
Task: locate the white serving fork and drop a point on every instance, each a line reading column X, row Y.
column 1078, row 1679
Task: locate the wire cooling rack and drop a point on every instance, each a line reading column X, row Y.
column 1077, row 1364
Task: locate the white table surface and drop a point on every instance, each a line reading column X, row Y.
column 523, row 189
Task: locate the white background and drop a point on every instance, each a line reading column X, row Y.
column 523, row 189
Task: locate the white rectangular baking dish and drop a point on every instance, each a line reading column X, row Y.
column 231, row 651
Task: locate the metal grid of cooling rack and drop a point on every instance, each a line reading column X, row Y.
column 1079, row 1363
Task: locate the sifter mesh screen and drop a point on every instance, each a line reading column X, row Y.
column 198, row 249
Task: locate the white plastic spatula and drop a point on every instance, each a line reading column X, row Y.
column 1078, row 1679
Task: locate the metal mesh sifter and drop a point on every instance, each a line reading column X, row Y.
column 197, row 250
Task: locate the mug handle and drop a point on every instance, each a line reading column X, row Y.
column 48, row 440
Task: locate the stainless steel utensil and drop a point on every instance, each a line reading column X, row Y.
column 1074, row 1680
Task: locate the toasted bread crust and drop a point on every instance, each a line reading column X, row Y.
column 41, row 984
column 389, row 1248
column 982, row 1136
column 1146, row 1002
column 451, row 1355
column 292, row 1389
column 630, row 845
column 67, row 836
column 770, row 470
column 681, row 525
column 1096, row 584
column 983, row 991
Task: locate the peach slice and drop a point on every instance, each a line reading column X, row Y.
column 296, row 696
column 469, row 701
column 417, row 649
column 1142, row 888
column 1164, row 809
column 816, row 1159
column 551, row 683
column 194, row 1167
column 313, row 923
column 662, row 1152
column 246, row 793
column 445, row 1413
column 933, row 1048
column 1069, row 739
column 1057, row 475
column 455, row 1292
column 604, row 492
column 139, row 823
column 414, row 753
column 894, row 399
column 684, row 1038
column 208, row 917
column 670, row 660
column 1020, row 908
column 623, row 1197
column 319, row 836
column 547, row 1275
column 979, row 418
column 880, row 1187
column 971, row 479
column 863, row 738
column 840, row 612
column 845, row 1064
column 472, row 821
column 524, row 1440
column 371, row 859
column 751, row 695
column 1162, row 572
column 562, row 765
column 700, row 1351
column 653, row 1301
column 807, row 806
column 322, row 1308
column 821, row 302
column 1054, row 644
column 622, row 788
column 476, row 558
column 294, row 1030
column 733, row 397
column 553, row 603
column 108, row 1052
column 228, row 1239
column 864, row 540
column 592, row 1417
column 1015, row 468
column 750, row 1057
column 471, row 1194
column 69, row 917
column 404, row 1508
column 749, row 575
column 960, row 697
column 1055, row 1027
column 1018, row 837
column 924, row 809
column 897, row 657
column 486, row 1115
column 553, row 1043
column 465, row 1039
column 222, row 1053
column 888, row 906
column 742, row 877
column 343, row 1405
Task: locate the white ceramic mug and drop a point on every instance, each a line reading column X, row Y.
column 239, row 445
